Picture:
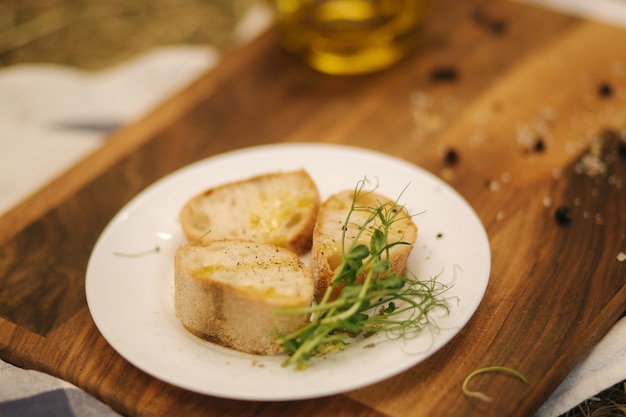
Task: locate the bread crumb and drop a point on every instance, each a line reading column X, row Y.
column 621, row 257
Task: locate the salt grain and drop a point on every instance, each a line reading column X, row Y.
column 524, row 135
column 447, row 174
column 476, row 139
column 450, row 104
column 618, row 68
column 591, row 165
column 428, row 114
column 493, row 186
column 599, row 218
column 548, row 113
column 615, row 181
column 547, row 202
column 480, row 118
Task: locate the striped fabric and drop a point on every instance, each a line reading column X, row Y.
column 36, row 394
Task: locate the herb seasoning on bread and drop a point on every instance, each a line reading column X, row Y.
column 226, row 292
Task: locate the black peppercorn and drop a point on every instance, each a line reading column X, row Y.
column 563, row 215
column 621, row 149
column 496, row 26
column 605, row 90
column 451, row 157
column 539, row 145
column 447, row 73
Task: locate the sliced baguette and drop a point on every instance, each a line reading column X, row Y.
column 227, row 291
column 326, row 253
column 278, row 208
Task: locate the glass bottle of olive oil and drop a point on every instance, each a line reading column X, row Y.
column 349, row 36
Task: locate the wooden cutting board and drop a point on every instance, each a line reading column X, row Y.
column 531, row 103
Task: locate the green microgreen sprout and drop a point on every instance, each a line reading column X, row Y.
column 371, row 298
column 156, row 249
column 480, row 395
column 199, row 240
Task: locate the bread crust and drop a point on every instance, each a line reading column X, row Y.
column 278, row 208
column 327, row 235
column 227, row 291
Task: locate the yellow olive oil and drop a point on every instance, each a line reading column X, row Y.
column 349, row 36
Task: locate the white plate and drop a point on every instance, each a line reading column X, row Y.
column 132, row 303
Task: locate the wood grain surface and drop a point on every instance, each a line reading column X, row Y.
column 532, row 102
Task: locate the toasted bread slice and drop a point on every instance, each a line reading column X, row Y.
column 326, row 253
column 278, row 208
column 227, row 292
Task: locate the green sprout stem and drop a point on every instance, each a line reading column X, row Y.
column 156, row 249
column 480, row 395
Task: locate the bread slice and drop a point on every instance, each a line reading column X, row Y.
column 326, row 253
column 227, row 291
column 278, row 208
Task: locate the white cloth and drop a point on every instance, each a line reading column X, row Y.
column 51, row 116
column 604, row 367
column 612, row 12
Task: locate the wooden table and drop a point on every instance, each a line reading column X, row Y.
column 535, row 92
